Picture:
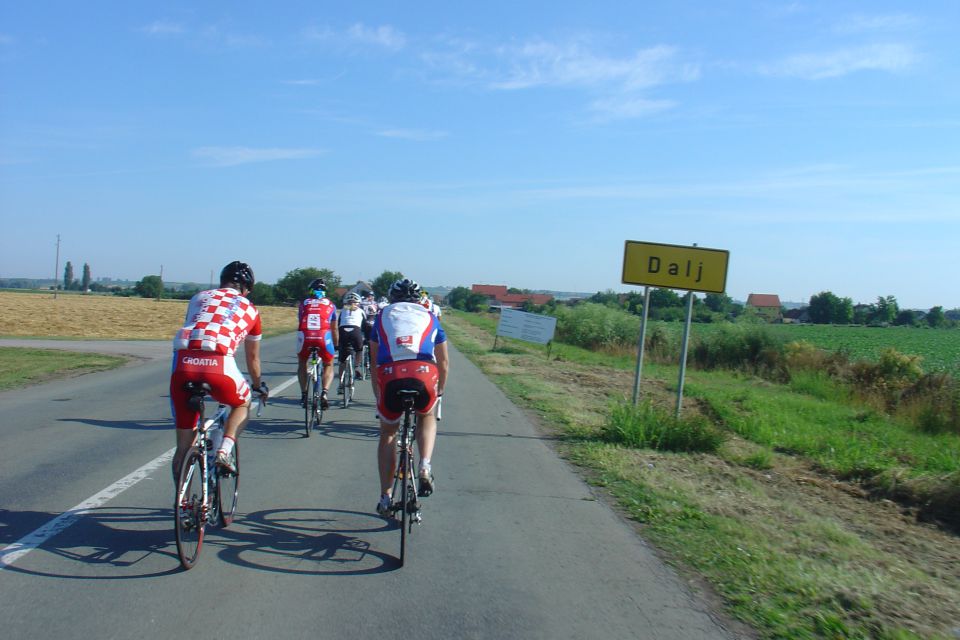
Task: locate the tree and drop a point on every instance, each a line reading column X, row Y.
column 826, row 307
column 718, row 302
column 293, row 285
column 381, row 284
column 85, row 283
column 886, row 310
column 664, row 298
column 906, row 318
column 466, row 300
column 263, row 294
column 149, row 287
column 936, row 318
column 67, row 275
column 608, row 298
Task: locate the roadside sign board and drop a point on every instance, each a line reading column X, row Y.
column 675, row 266
column 529, row 327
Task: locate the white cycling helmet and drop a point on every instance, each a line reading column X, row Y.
column 351, row 298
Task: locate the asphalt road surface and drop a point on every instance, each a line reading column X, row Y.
column 513, row 543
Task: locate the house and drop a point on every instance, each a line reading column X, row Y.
column 766, row 305
column 498, row 296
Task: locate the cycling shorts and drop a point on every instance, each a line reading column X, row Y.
column 227, row 384
column 350, row 342
column 420, row 375
column 322, row 340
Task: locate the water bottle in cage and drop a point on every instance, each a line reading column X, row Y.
column 214, row 439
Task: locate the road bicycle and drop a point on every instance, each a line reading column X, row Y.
column 206, row 495
column 365, row 361
column 405, row 481
column 347, row 379
column 312, row 410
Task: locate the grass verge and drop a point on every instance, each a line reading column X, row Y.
column 21, row 367
column 766, row 517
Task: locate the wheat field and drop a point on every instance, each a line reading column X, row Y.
column 39, row 315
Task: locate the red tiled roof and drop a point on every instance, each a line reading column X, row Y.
column 761, row 300
column 494, row 290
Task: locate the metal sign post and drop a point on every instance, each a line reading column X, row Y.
column 643, row 337
column 672, row 266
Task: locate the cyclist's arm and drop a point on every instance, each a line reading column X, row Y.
column 373, row 370
column 443, row 365
column 335, row 330
column 251, row 350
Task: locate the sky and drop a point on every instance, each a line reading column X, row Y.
column 495, row 142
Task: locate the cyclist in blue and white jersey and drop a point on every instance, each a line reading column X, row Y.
column 409, row 348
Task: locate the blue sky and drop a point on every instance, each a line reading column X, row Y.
column 494, row 142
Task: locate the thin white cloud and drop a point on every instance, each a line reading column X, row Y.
column 384, row 36
column 163, row 28
column 620, row 108
column 877, row 23
column 543, row 63
column 817, row 66
column 232, row 156
column 419, row 135
column 359, row 34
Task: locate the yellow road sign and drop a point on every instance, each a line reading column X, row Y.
column 675, row 267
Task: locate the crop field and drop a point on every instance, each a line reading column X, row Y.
column 39, row 315
column 939, row 348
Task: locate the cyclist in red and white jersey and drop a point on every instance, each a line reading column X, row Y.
column 317, row 327
column 217, row 322
column 409, row 348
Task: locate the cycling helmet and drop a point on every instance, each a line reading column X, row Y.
column 351, row 298
column 237, row 273
column 405, row 290
column 318, row 286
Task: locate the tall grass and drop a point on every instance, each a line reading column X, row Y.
column 647, row 427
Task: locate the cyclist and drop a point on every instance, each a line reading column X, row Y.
column 316, row 327
column 350, row 323
column 370, row 311
column 409, row 348
column 429, row 304
column 217, row 321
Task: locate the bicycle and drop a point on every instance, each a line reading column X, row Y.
column 405, row 481
column 365, row 361
column 203, row 492
column 312, row 410
column 346, row 379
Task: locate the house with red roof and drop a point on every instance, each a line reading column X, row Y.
column 498, row 296
column 766, row 305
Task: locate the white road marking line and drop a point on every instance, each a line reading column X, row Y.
column 31, row 541
column 26, row 544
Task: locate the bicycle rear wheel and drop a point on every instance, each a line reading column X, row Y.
column 404, row 501
column 190, row 512
column 348, row 381
column 228, row 491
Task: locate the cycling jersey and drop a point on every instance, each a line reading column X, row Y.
column 351, row 317
column 314, row 319
column 406, row 331
column 218, row 320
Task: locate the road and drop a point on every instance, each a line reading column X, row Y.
column 513, row 545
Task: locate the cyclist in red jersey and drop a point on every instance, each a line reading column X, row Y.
column 317, row 327
column 217, row 322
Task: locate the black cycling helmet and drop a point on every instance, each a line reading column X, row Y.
column 405, row 290
column 237, row 273
column 317, row 284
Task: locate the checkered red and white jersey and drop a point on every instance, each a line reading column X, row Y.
column 218, row 320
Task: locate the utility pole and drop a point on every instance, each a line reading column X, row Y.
column 56, row 269
column 160, row 290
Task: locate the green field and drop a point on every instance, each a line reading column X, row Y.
column 939, row 348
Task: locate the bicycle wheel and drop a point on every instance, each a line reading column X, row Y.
column 190, row 512
column 308, row 410
column 228, row 491
column 346, row 380
column 404, row 500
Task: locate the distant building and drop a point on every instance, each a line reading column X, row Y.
column 498, row 296
column 766, row 305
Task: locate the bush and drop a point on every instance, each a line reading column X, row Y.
column 647, row 427
column 745, row 347
column 595, row 326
